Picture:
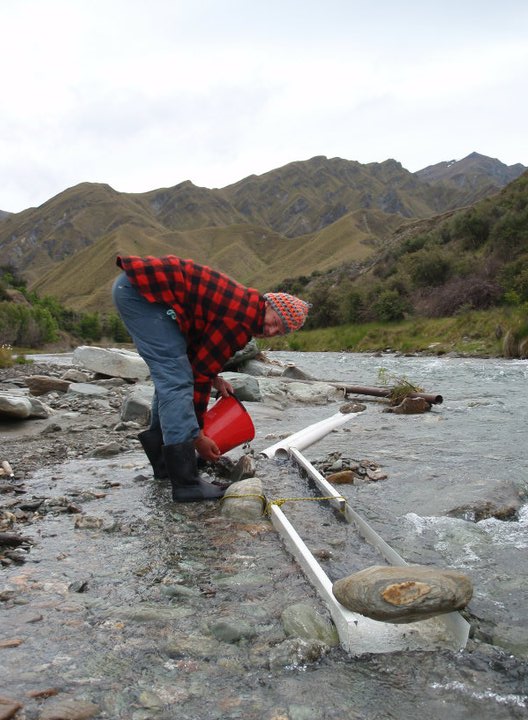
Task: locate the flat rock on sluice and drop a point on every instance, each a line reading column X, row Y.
column 403, row 594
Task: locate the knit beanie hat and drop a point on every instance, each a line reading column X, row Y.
column 291, row 310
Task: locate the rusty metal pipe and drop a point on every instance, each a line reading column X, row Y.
column 386, row 392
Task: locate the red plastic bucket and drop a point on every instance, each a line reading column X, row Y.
column 228, row 423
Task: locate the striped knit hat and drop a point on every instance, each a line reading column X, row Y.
column 291, row 310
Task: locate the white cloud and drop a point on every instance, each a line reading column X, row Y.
column 143, row 94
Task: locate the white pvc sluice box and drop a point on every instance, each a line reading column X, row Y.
column 357, row 634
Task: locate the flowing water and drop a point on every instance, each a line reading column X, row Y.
column 131, row 612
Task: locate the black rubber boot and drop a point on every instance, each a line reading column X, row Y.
column 152, row 442
column 187, row 485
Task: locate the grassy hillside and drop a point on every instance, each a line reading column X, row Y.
column 473, row 259
column 300, row 220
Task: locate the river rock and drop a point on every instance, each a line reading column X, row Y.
column 248, row 352
column 274, row 391
column 114, row 362
column 69, row 709
column 296, row 652
column 244, row 501
column 137, row 405
column 410, row 406
column 403, row 594
column 489, row 498
column 303, row 620
column 87, row 389
column 18, row 406
column 292, row 371
column 258, row 368
column 343, row 477
column 42, row 384
column 246, row 387
column 8, row 708
column 77, row 376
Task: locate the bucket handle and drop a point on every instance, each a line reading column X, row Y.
column 232, row 394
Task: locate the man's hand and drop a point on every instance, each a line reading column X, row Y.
column 224, row 388
column 207, row 448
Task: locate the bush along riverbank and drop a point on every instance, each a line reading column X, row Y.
column 493, row 333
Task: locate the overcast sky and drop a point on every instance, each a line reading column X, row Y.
column 143, row 94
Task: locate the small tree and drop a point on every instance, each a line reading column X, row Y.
column 389, row 307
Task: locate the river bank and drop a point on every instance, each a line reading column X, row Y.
column 126, row 606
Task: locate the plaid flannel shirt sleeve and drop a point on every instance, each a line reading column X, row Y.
column 220, row 340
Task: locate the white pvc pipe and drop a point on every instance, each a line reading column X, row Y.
column 308, row 436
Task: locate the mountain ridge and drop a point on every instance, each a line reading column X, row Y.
column 303, row 217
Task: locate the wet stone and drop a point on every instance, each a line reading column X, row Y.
column 303, row 620
column 232, row 630
column 69, row 709
column 296, row 652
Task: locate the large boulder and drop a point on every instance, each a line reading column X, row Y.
column 403, row 594
column 114, row 362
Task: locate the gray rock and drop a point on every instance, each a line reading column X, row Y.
column 87, row 389
column 292, row 371
column 403, row 594
column 249, row 351
column 513, row 639
column 108, row 450
column 15, row 406
column 114, row 362
column 491, row 498
column 137, row 405
column 74, row 375
column 296, row 652
column 257, row 368
column 18, row 406
column 246, row 387
column 313, row 393
column 65, row 708
column 232, row 630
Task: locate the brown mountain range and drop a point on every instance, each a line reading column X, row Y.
column 306, row 216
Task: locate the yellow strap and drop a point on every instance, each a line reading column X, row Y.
column 280, row 501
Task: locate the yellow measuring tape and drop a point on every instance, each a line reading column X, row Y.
column 280, row 501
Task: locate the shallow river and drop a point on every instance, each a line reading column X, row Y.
column 124, row 614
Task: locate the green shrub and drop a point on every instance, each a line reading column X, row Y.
column 26, row 326
column 389, row 307
column 6, row 356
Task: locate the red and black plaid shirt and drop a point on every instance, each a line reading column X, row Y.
column 217, row 315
